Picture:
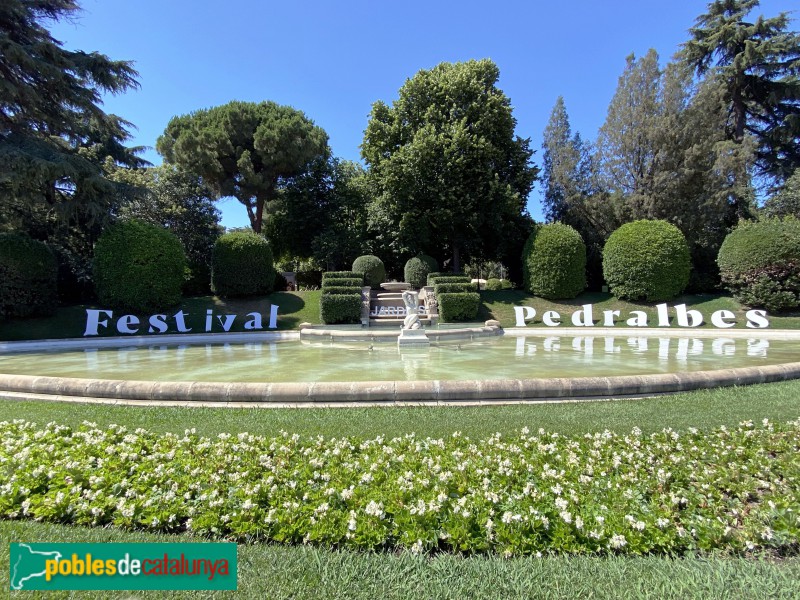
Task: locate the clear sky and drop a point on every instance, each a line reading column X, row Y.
column 332, row 60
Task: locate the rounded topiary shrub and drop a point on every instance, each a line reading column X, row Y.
column 646, row 260
column 416, row 272
column 371, row 267
column 555, row 262
column 241, row 265
column 28, row 273
column 138, row 267
column 759, row 263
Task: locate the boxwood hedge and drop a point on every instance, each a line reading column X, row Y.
column 462, row 306
column 646, row 260
column 354, row 282
column 340, row 308
column 340, row 275
column 759, row 263
column 454, row 288
column 555, row 261
column 372, row 268
column 242, row 265
column 28, row 273
column 138, row 267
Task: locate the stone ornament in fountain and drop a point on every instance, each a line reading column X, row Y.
column 411, row 300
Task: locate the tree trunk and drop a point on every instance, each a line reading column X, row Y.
column 456, row 258
column 259, row 216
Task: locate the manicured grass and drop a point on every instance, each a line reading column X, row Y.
column 500, row 306
column 269, row 571
column 702, row 409
column 70, row 322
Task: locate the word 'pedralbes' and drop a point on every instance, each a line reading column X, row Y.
column 684, row 317
column 131, row 324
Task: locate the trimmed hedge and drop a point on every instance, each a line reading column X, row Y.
column 340, row 275
column 241, row 265
column 341, row 289
column 415, row 272
column 646, row 260
column 340, row 308
column 759, row 263
column 449, row 279
column 372, row 268
column 437, row 274
column 28, row 275
column 454, row 288
column 555, row 262
column 458, row 307
column 354, row 282
column 138, row 267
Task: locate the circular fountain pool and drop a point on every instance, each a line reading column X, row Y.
column 526, row 365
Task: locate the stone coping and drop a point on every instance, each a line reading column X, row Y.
column 384, row 392
column 435, row 392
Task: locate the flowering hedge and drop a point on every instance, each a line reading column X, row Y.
column 734, row 489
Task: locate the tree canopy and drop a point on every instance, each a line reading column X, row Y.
column 757, row 63
column 243, row 149
column 450, row 174
column 53, row 134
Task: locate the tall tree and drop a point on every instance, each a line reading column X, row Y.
column 245, row 150
column 54, row 135
column 449, row 170
column 758, row 65
column 626, row 145
column 561, row 159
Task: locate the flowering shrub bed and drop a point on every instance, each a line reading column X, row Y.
column 734, row 489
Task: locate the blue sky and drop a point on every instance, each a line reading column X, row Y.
column 332, row 60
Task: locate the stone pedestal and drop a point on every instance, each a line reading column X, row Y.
column 413, row 337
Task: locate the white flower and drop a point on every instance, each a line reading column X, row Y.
column 416, row 547
column 375, row 509
column 618, row 541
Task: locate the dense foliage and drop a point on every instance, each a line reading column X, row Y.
column 760, row 263
column 730, row 489
column 646, row 260
column 416, row 270
column 173, row 199
column 495, row 285
column 244, row 149
column 340, row 307
column 138, row 267
column 451, row 175
column 28, row 273
column 556, row 262
column 372, row 268
column 453, row 288
column 242, row 265
column 458, row 306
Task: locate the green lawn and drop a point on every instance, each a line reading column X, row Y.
column 276, row 572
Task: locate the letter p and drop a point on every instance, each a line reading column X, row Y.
column 524, row 313
column 50, row 568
